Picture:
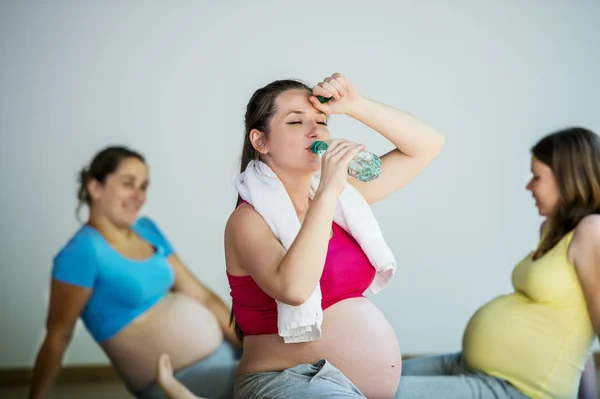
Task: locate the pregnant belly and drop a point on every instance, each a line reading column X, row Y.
column 178, row 325
column 357, row 339
column 511, row 335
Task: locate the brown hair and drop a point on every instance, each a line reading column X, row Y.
column 259, row 112
column 573, row 155
column 104, row 163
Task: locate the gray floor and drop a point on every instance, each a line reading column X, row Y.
column 87, row 391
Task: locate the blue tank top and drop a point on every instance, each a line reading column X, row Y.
column 122, row 288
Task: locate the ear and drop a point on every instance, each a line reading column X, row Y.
column 259, row 141
column 94, row 189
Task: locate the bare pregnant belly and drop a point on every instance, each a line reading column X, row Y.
column 177, row 325
column 357, row 339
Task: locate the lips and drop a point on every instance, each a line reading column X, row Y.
column 131, row 208
column 309, row 148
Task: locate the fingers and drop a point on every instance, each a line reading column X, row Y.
column 333, row 86
column 339, row 152
column 319, row 90
column 164, row 362
column 336, row 87
column 343, row 152
column 332, row 89
column 351, row 153
column 340, row 79
column 334, row 144
column 318, row 106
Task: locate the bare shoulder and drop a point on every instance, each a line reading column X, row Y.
column 243, row 220
column 247, row 237
column 585, row 245
column 588, row 229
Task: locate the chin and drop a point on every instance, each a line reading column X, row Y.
column 129, row 220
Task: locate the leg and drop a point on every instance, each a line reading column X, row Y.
column 173, row 388
column 588, row 385
column 433, row 365
column 213, row 377
column 449, row 377
column 456, row 387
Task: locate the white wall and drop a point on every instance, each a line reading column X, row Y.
column 172, row 80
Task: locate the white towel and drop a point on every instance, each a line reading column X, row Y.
column 261, row 187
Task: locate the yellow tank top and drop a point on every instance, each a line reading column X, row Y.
column 537, row 338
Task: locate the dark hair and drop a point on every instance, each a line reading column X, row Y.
column 573, row 155
column 259, row 112
column 104, row 163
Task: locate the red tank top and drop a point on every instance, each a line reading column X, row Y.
column 347, row 274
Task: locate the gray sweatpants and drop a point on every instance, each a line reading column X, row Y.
column 305, row 381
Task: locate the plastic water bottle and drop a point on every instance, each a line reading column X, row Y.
column 365, row 166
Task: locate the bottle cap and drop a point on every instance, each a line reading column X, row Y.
column 319, row 146
column 323, row 100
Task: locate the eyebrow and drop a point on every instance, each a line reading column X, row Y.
column 302, row 113
column 132, row 177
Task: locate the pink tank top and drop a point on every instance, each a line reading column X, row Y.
column 347, row 274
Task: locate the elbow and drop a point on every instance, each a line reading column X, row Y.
column 439, row 144
column 59, row 337
column 293, row 301
column 441, row 140
column 435, row 148
column 295, row 296
column 292, row 290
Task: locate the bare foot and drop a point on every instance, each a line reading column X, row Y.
column 173, row 388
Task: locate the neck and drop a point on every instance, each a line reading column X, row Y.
column 112, row 233
column 298, row 189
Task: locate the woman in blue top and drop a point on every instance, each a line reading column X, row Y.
column 121, row 275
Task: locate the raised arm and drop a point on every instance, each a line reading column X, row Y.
column 417, row 144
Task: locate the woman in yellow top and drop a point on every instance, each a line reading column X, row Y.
column 534, row 342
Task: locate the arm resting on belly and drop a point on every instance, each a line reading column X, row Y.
column 187, row 283
column 222, row 313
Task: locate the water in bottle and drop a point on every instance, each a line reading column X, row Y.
column 365, row 166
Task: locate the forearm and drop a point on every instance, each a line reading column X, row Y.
column 302, row 266
column 47, row 367
column 222, row 313
column 410, row 135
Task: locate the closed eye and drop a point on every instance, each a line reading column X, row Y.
column 299, row 123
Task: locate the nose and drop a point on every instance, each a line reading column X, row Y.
column 528, row 186
column 140, row 194
column 314, row 131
